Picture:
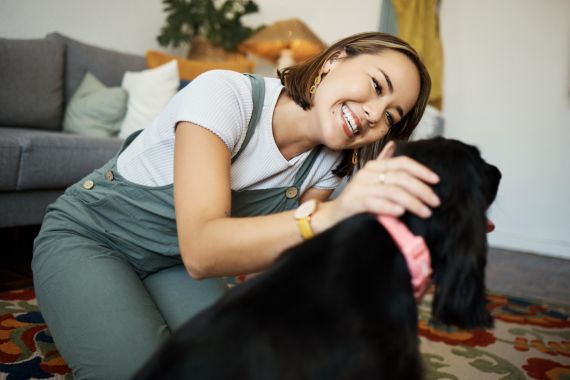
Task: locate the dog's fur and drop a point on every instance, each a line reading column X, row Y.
column 340, row 306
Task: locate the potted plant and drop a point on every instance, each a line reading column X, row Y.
column 210, row 27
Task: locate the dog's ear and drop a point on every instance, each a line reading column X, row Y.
column 456, row 232
column 460, row 272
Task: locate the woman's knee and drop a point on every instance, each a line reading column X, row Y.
column 179, row 297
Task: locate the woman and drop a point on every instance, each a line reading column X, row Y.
column 212, row 189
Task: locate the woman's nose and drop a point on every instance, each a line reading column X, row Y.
column 373, row 112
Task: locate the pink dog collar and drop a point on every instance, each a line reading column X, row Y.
column 415, row 252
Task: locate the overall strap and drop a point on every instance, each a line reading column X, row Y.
column 258, row 95
column 306, row 167
column 128, row 141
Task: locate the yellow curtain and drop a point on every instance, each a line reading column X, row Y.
column 418, row 25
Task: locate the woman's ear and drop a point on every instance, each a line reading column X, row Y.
column 333, row 61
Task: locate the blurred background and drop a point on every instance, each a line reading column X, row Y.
column 505, row 83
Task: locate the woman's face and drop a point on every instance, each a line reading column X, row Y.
column 361, row 98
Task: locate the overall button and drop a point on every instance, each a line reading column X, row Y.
column 109, row 175
column 291, row 192
column 88, row 184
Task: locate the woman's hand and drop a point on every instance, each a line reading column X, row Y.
column 388, row 186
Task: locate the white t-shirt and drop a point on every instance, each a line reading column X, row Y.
column 220, row 101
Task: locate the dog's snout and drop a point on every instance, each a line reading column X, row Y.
column 494, row 172
column 492, row 178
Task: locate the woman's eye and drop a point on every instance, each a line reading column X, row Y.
column 390, row 119
column 377, row 86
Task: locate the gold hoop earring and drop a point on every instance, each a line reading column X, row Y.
column 354, row 157
column 313, row 88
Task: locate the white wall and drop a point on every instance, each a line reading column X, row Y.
column 128, row 25
column 507, row 79
column 507, row 89
column 132, row 25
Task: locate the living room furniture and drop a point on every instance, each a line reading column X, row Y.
column 38, row 160
column 189, row 69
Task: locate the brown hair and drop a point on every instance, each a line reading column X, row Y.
column 298, row 80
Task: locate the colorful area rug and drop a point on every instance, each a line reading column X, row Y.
column 530, row 341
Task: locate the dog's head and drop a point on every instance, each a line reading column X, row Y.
column 456, row 232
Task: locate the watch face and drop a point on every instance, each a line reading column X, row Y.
column 306, row 209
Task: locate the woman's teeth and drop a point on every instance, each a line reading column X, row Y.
column 349, row 119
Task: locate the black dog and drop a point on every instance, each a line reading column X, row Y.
column 341, row 305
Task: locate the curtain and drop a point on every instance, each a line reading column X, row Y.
column 388, row 22
column 417, row 22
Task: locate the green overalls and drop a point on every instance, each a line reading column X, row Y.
column 107, row 269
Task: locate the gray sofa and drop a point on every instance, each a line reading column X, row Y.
column 38, row 161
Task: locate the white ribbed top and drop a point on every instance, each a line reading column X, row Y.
column 220, row 101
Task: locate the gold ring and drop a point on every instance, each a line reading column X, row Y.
column 382, row 178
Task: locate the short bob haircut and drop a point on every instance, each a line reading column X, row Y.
column 298, row 80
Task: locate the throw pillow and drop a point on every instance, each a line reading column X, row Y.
column 31, row 83
column 190, row 69
column 95, row 110
column 149, row 92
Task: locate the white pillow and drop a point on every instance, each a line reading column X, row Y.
column 149, row 92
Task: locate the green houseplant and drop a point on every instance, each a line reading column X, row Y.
column 199, row 22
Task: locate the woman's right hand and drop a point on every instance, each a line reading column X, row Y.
column 387, row 186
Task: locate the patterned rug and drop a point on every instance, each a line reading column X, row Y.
column 530, row 341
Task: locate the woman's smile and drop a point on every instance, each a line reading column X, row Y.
column 351, row 123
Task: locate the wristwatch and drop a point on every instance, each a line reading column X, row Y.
column 303, row 216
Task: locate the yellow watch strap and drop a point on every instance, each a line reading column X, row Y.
column 305, row 228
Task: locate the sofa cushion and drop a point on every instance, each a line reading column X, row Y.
column 10, row 153
column 31, row 83
column 95, row 109
column 107, row 65
column 25, row 208
column 38, row 160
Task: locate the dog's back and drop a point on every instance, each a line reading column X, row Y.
column 336, row 307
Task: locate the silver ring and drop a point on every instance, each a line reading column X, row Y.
column 382, row 178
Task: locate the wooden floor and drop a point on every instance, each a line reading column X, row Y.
column 530, row 276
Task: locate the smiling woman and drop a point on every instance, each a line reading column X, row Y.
column 362, row 95
column 210, row 187
column 379, row 53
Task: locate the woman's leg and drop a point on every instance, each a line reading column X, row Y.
column 179, row 297
column 101, row 316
